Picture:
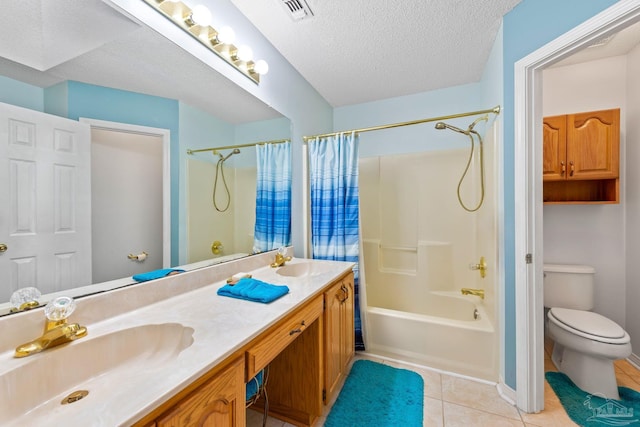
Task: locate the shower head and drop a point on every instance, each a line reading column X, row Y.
column 443, row 125
column 235, row 151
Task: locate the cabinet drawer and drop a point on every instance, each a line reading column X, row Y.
column 265, row 350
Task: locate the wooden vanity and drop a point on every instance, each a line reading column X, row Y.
column 308, row 353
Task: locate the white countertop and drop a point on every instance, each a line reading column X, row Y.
column 221, row 326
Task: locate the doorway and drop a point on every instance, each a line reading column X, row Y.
column 130, row 199
column 528, row 190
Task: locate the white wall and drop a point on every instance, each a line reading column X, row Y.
column 632, row 199
column 590, row 234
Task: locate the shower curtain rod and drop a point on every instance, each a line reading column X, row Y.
column 250, row 144
column 495, row 110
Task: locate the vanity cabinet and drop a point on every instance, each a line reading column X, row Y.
column 218, row 402
column 339, row 334
column 581, row 157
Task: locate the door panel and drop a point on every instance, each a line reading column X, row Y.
column 46, row 218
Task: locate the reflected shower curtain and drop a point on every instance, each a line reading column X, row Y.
column 273, row 197
column 333, row 170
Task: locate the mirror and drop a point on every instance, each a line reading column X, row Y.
column 149, row 81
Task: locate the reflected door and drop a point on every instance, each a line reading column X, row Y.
column 45, row 214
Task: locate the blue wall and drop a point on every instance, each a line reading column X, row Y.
column 529, row 26
column 21, row 94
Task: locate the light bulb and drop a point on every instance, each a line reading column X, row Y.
column 261, row 67
column 201, row 15
column 226, row 35
column 245, row 53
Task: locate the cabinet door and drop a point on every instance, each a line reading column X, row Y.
column 554, row 148
column 347, row 327
column 593, row 145
column 218, row 403
column 332, row 322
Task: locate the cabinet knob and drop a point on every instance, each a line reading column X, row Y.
column 571, row 164
column 564, row 168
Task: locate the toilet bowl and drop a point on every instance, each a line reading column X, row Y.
column 585, row 343
column 585, row 346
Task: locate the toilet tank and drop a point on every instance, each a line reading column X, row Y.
column 569, row 286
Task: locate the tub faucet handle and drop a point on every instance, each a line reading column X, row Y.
column 482, row 266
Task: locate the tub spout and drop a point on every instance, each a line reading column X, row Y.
column 470, row 291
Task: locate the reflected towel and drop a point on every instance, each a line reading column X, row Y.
column 156, row 274
column 253, row 290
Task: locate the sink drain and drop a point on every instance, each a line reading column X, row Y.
column 75, row 396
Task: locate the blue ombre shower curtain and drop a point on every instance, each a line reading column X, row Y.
column 273, row 197
column 333, row 170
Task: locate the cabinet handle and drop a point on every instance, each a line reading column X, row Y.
column 563, row 168
column 571, row 164
column 296, row 331
column 346, row 292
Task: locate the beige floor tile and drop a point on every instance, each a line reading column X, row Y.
column 432, row 379
column 463, row 416
column 553, row 415
column 476, row 395
column 433, row 416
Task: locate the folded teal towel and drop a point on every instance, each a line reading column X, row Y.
column 155, row 274
column 253, row 290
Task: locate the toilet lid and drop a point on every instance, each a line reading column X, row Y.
column 588, row 323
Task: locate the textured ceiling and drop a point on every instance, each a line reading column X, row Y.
column 351, row 51
column 363, row 50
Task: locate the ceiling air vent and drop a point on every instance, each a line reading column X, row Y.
column 297, row 9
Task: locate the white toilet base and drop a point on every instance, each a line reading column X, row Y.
column 595, row 375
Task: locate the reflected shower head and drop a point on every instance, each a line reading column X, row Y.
column 443, row 125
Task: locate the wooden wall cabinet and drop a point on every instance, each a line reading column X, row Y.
column 581, row 157
column 339, row 334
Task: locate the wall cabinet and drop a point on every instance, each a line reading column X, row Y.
column 581, row 157
column 339, row 334
column 219, row 402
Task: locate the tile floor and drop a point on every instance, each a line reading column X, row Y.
column 452, row 401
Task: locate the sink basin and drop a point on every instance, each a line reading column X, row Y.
column 303, row 269
column 39, row 382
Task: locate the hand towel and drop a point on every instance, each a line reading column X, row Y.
column 156, row 274
column 253, row 290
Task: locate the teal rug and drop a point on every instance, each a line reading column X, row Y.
column 377, row 395
column 589, row 410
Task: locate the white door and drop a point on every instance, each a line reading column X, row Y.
column 127, row 206
column 45, row 213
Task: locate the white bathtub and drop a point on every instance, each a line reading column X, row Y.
column 450, row 332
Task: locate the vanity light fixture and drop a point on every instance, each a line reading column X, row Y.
column 197, row 22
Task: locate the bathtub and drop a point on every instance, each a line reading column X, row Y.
column 450, row 332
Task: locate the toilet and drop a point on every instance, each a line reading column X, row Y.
column 585, row 343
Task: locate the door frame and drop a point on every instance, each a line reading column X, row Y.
column 165, row 135
column 528, row 192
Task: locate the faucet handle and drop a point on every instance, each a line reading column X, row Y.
column 24, row 299
column 59, row 308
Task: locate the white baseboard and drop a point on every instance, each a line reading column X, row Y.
column 506, row 392
column 634, row 360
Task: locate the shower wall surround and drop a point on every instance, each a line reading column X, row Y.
column 418, row 240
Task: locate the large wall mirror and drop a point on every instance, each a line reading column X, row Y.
column 91, row 63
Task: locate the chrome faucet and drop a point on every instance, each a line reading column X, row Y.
column 280, row 258
column 56, row 330
column 471, row 291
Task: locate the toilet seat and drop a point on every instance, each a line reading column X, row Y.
column 589, row 325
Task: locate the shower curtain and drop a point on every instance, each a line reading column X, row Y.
column 273, row 197
column 333, row 170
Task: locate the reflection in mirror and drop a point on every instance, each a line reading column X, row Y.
column 222, row 203
column 127, row 73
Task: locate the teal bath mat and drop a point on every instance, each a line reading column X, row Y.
column 589, row 410
column 378, row 395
